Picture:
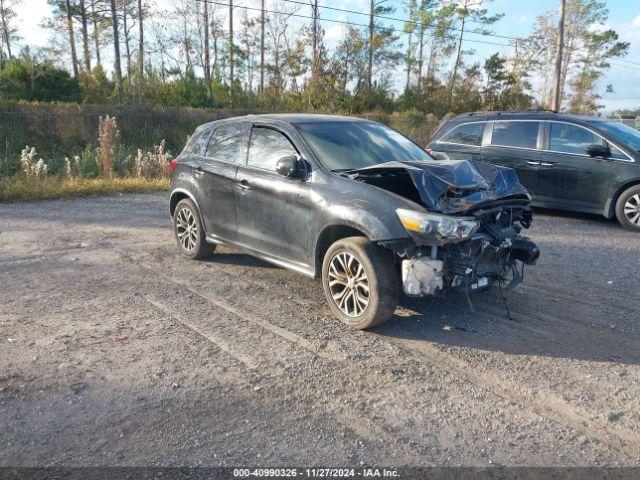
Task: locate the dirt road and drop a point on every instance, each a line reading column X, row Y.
column 116, row 351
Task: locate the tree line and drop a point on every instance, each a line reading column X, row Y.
column 275, row 55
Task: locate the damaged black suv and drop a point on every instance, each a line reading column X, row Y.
column 353, row 202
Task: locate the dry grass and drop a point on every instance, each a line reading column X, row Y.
column 21, row 189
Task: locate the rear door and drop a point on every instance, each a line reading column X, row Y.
column 273, row 210
column 515, row 144
column 569, row 177
column 461, row 142
column 216, row 175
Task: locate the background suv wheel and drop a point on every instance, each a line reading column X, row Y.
column 628, row 208
column 360, row 282
column 188, row 230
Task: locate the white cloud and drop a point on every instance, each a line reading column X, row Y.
column 636, row 22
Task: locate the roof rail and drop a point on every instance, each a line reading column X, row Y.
column 500, row 112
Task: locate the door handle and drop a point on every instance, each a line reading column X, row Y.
column 243, row 185
column 199, row 171
column 548, row 164
column 536, row 164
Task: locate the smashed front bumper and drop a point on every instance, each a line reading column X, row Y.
column 468, row 266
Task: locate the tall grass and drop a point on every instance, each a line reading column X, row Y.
column 22, row 189
column 103, row 170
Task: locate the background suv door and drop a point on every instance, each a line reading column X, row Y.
column 514, row 144
column 568, row 177
column 273, row 210
column 216, row 177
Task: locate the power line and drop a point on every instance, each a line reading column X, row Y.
column 624, row 63
column 404, row 20
column 343, row 22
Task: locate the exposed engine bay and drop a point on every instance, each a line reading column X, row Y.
column 469, row 237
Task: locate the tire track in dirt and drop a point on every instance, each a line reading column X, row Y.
column 541, row 401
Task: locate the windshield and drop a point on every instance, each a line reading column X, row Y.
column 345, row 145
column 623, row 133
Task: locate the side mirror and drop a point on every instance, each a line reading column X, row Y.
column 291, row 166
column 597, row 150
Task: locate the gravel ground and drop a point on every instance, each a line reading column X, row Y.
column 114, row 350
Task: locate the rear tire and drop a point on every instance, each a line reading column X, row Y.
column 628, row 208
column 188, row 230
column 360, row 282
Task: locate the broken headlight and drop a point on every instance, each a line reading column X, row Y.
column 435, row 228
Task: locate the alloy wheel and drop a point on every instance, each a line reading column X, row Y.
column 186, row 229
column 632, row 209
column 348, row 284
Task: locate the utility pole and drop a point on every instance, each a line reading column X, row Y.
column 371, row 39
column 314, row 34
column 557, row 91
column 262, row 22
column 231, row 45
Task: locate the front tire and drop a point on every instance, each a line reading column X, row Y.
column 360, row 282
column 628, row 208
column 188, row 230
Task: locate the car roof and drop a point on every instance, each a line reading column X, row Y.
column 287, row 118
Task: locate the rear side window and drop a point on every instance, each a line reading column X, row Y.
column 228, row 144
column 267, row 146
column 568, row 138
column 198, row 142
column 466, row 134
column 515, row 134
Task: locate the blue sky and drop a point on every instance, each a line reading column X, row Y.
column 519, row 17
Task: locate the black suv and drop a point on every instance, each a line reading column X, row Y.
column 568, row 162
column 353, row 202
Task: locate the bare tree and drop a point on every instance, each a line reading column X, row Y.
column 9, row 31
column 72, row 40
column 140, row 40
column 85, row 36
column 116, row 51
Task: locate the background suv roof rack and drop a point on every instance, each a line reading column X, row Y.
column 499, row 112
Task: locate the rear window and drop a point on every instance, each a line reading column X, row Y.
column 466, row 134
column 515, row 134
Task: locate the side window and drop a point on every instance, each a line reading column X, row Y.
column 617, row 153
column 568, row 138
column 267, row 146
column 515, row 134
column 467, row 134
column 198, row 142
column 228, row 144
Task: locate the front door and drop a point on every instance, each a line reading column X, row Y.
column 569, row 177
column 515, row 144
column 273, row 210
column 216, row 175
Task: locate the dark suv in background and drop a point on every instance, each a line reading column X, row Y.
column 569, row 162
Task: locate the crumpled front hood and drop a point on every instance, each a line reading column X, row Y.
column 453, row 186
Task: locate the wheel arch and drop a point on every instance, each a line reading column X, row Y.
column 610, row 207
column 329, row 235
column 180, row 194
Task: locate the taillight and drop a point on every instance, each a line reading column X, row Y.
column 428, row 150
column 172, row 165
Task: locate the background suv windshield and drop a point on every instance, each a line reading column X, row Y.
column 351, row 145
